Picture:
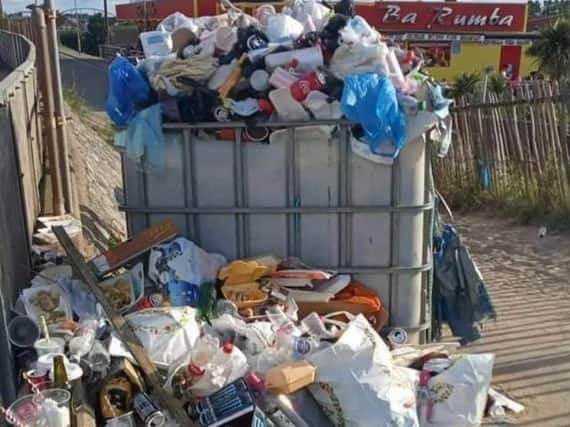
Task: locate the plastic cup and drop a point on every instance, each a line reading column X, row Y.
column 23, row 331
column 54, row 345
column 54, row 404
column 26, row 412
column 45, row 361
column 37, row 379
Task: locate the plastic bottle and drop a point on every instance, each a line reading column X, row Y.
column 230, row 363
column 284, row 327
column 204, row 350
column 83, row 339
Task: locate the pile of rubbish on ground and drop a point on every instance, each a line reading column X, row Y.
column 306, row 62
column 248, row 342
column 158, row 332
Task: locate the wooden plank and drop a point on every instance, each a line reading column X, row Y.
column 118, row 256
column 123, row 330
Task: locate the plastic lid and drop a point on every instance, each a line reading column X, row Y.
column 228, row 347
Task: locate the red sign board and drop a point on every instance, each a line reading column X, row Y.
column 445, row 17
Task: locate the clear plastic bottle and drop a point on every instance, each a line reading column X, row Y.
column 230, row 363
column 204, row 350
column 282, row 324
column 83, row 339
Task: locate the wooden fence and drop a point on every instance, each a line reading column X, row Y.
column 513, row 148
column 21, row 171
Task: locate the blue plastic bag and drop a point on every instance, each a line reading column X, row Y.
column 370, row 99
column 127, row 89
column 143, row 140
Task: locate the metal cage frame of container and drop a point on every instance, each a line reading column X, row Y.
column 367, row 218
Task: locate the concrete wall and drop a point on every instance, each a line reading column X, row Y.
column 21, row 154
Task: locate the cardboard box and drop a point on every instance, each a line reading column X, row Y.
column 290, row 377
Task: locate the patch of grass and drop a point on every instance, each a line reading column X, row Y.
column 75, row 101
column 537, row 203
column 78, row 105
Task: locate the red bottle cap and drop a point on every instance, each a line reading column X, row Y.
column 255, row 383
column 228, row 347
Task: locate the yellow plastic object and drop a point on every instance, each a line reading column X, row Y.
column 239, row 272
column 245, row 295
column 233, row 78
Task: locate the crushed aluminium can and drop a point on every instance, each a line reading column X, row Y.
column 147, row 411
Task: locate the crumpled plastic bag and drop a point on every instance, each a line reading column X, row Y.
column 143, row 140
column 183, row 266
column 311, row 14
column 358, row 59
column 357, row 384
column 167, row 334
column 127, row 90
column 459, row 394
column 360, row 50
column 178, row 20
column 370, row 99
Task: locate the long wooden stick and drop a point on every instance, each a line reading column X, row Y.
column 123, row 330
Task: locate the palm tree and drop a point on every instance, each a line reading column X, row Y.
column 466, row 84
column 497, row 84
column 552, row 50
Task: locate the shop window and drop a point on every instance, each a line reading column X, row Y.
column 434, row 54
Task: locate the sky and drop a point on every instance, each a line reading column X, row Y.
column 11, row 6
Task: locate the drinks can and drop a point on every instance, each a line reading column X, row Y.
column 147, row 411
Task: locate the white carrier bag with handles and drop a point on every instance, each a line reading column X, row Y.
column 357, row 384
column 459, row 394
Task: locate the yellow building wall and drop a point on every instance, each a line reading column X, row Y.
column 527, row 63
column 473, row 58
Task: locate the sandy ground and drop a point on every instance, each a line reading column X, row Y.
column 529, row 281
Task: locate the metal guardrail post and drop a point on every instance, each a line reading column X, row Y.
column 59, row 105
column 45, row 78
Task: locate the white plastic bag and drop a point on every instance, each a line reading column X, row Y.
column 459, row 394
column 167, row 334
column 357, row 384
column 359, row 59
column 281, row 26
column 178, row 20
column 183, row 267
